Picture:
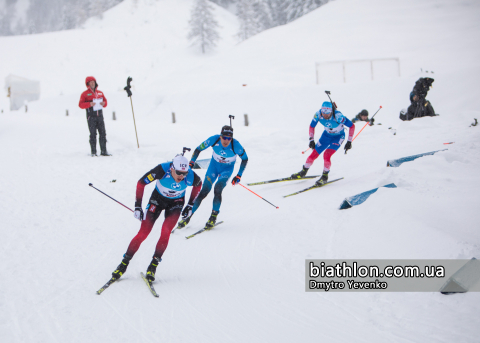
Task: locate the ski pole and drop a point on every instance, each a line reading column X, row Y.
column 231, row 117
column 129, row 94
column 366, row 124
column 128, row 208
column 364, row 127
column 305, row 151
column 258, row 195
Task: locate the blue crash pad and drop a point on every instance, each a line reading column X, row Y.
column 361, row 198
column 398, row 162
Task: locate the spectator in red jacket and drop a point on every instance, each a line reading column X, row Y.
column 93, row 101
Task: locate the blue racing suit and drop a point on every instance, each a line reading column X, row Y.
column 221, row 167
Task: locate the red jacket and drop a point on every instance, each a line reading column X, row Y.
column 87, row 97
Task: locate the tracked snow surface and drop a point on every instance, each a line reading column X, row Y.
column 243, row 281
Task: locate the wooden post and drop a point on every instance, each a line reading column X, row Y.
column 67, row 113
column 114, row 118
column 246, row 119
column 173, row 117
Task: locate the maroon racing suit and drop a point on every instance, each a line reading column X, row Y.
column 158, row 203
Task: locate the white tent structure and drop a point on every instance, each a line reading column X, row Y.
column 21, row 90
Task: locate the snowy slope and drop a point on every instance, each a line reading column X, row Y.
column 242, row 282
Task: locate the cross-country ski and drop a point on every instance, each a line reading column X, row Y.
column 203, row 230
column 112, row 280
column 312, row 187
column 282, row 180
column 149, row 285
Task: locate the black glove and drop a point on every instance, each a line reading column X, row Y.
column 191, row 164
column 187, row 211
column 311, row 145
column 236, row 180
column 348, row 146
column 138, row 213
column 372, row 121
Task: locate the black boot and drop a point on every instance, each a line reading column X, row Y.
column 102, row 141
column 93, row 148
column 212, row 220
column 323, row 179
column 152, row 268
column 300, row 174
column 122, row 267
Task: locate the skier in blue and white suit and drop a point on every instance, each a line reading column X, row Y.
column 225, row 150
column 331, row 139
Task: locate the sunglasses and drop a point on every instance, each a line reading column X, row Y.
column 181, row 173
column 226, row 138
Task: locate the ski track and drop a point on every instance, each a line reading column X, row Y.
column 243, row 281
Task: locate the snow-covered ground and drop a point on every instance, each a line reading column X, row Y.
column 244, row 281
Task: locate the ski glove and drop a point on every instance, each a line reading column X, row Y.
column 311, row 144
column 191, row 164
column 236, row 180
column 348, row 146
column 187, row 211
column 138, row 214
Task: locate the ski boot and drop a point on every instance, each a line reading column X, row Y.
column 323, row 179
column 93, row 153
column 300, row 174
column 211, row 222
column 105, row 153
column 122, row 267
column 182, row 223
column 152, row 268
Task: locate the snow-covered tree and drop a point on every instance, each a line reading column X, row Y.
column 203, row 26
column 253, row 17
column 7, row 12
column 49, row 15
column 224, row 3
column 277, row 10
column 297, row 8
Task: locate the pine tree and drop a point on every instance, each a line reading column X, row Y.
column 203, row 26
column 262, row 19
column 277, row 10
column 224, row 3
column 297, row 8
column 253, row 18
column 50, row 15
column 6, row 18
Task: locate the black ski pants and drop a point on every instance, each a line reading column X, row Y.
column 96, row 123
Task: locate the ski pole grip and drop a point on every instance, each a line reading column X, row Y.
column 127, row 88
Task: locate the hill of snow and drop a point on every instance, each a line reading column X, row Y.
column 243, row 281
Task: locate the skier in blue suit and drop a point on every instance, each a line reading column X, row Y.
column 331, row 139
column 225, row 150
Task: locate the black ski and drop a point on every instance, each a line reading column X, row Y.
column 281, row 180
column 149, row 285
column 112, row 280
column 202, row 230
column 312, row 187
